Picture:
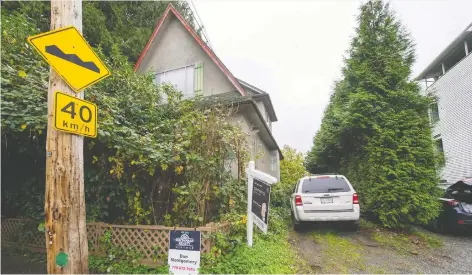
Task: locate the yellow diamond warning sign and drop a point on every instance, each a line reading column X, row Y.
column 71, row 57
column 74, row 115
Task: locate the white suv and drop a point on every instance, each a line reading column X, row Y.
column 324, row 198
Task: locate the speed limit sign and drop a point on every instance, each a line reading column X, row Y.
column 74, row 115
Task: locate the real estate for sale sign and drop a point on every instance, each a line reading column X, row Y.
column 184, row 252
column 260, row 204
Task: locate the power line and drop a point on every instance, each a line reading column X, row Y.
column 199, row 22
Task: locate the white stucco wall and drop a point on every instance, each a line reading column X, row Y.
column 174, row 48
column 260, row 153
column 264, row 157
column 454, row 92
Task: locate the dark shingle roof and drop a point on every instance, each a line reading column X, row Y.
column 252, row 89
column 229, row 98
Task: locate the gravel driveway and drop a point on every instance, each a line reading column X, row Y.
column 359, row 252
column 460, row 251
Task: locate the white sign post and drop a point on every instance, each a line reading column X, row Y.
column 252, row 174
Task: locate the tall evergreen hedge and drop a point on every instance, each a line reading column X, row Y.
column 376, row 128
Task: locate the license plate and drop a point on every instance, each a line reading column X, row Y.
column 326, row 200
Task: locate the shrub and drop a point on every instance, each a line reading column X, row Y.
column 151, row 158
column 376, row 129
column 291, row 170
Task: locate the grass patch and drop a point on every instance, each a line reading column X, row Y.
column 430, row 239
column 407, row 242
column 398, row 241
column 341, row 255
column 271, row 255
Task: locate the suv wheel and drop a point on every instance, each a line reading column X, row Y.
column 296, row 224
column 354, row 226
column 297, row 227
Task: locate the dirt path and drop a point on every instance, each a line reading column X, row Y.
column 332, row 250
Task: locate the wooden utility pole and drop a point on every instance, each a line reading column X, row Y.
column 66, row 233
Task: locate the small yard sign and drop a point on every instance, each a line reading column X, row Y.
column 258, row 198
column 260, row 204
column 184, row 252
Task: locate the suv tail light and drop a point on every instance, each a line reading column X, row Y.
column 453, row 203
column 298, row 200
column 355, row 198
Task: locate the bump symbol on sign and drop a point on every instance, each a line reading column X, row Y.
column 72, row 58
column 69, row 54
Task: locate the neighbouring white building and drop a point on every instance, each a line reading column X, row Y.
column 449, row 78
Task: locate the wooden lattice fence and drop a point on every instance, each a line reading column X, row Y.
column 22, row 231
column 149, row 240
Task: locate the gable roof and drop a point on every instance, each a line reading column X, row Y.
column 251, row 87
column 171, row 10
column 261, row 95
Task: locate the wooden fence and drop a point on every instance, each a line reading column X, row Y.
column 149, row 240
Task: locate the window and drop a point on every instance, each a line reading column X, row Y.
column 254, row 151
column 434, row 112
column 267, row 118
column 273, row 161
column 182, row 79
column 325, row 185
column 439, row 145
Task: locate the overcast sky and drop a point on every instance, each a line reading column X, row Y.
column 294, row 49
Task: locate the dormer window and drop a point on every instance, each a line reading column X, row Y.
column 267, row 119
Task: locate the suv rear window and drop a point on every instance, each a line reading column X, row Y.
column 325, row 185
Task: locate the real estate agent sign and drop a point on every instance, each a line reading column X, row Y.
column 260, row 204
column 184, row 252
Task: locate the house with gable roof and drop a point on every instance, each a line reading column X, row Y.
column 176, row 54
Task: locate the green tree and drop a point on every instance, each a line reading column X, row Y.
column 146, row 164
column 376, row 128
column 126, row 24
column 291, row 170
